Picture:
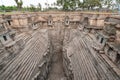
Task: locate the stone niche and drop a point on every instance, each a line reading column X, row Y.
column 101, row 39
column 35, row 26
column 110, row 31
column 4, row 26
column 4, row 33
column 67, row 21
column 112, row 50
column 101, row 42
column 7, row 18
column 50, row 20
column 85, row 23
column 86, row 20
column 6, row 39
column 116, row 20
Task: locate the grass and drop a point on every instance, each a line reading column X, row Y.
column 7, row 12
column 13, row 12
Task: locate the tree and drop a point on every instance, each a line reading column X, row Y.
column 47, row 6
column 68, row 4
column 107, row 3
column 2, row 8
column 89, row 4
column 19, row 4
column 118, row 5
column 54, row 4
column 40, row 7
column 118, row 1
column 32, row 7
column 73, row 4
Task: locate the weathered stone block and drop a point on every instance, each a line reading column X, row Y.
column 93, row 22
column 100, row 23
column 16, row 22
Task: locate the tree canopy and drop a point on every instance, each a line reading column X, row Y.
column 85, row 4
column 19, row 4
column 66, row 5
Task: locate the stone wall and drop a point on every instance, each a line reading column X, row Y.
column 22, row 19
column 67, row 66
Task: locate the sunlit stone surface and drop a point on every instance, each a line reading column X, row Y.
column 60, row 46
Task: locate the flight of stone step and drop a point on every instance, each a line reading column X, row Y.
column 22, row 66
column 85, row 66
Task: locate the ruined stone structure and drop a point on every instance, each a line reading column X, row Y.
column 60, row 46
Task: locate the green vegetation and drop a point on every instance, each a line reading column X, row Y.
column 20, row 7
column 65, row 5
column 7, row 8
column 31, row 8
column 86, row 4
column 19, row 4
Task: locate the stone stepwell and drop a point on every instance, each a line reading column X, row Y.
column 60, row 46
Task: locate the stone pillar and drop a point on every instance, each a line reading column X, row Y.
column 93, row 20
column 81, row 16
column 100, row 21
column 118, row 32
column 110, row 31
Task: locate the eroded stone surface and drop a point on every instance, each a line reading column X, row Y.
column 59, row 46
